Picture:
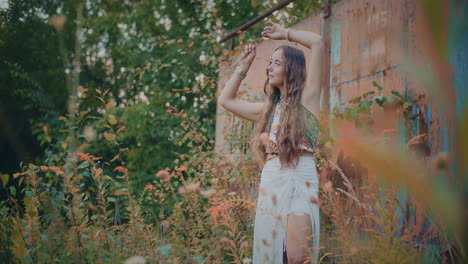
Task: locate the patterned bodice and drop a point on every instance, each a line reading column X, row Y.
column 311, row 133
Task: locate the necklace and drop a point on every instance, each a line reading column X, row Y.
column 280, row 99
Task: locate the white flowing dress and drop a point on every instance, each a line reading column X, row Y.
column 282, row 192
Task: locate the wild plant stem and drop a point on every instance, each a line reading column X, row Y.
column 77, row 233
column 22, row 236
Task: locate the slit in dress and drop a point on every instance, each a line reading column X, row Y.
column 313, row 233
column 285, row 233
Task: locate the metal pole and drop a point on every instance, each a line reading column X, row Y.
column 255, row 20
column 327, row 16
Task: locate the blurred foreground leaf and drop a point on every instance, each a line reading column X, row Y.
column 395, row 166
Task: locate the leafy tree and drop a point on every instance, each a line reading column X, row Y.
column 150, row 56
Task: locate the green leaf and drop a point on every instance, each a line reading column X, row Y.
column 165, row 250
column 407, row 105
column 107, row 246
column 352, row 114
column 364, row 107
column 355, row 100
column 377, row 85
column 396, row 93
column 381, row 100
column 13, row 190
column 84, row 165
column 199, row 259
column 5, row 178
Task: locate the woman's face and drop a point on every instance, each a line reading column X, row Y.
column 275, row 69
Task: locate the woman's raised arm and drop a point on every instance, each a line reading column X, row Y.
column 228, row 98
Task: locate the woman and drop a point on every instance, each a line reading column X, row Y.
column 287, row 223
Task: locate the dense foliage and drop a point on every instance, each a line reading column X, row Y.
column 147, row 55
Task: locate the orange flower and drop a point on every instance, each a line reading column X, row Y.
column 192, row 186
column 121, row 169
column 149, row 187
column 56, row 170
column 244, row 244
column 273, row 199
column 328, row 187
column 231, row 158
column 165, row 224
column 307, row 183
column 87, row 156
column 265, row 242
column 98, row 172
column 353, row 250
column 208, row 193
column 278, row 217
column 214, row 181
column 16, row 175
column 182, row 190
column 81, row 89
column 120, row 128
column 314, row 200
column 182, row 168
column 164, row 175
column 273, row 233
column 224, row 240
column 110, row 105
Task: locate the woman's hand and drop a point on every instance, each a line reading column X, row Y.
column 248, row 53
column 274, row 31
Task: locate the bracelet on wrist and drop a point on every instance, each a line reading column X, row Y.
column 288, row 38
column 238, row 74
column 241, row 73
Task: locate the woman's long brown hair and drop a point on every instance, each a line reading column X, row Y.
column 291, row 120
